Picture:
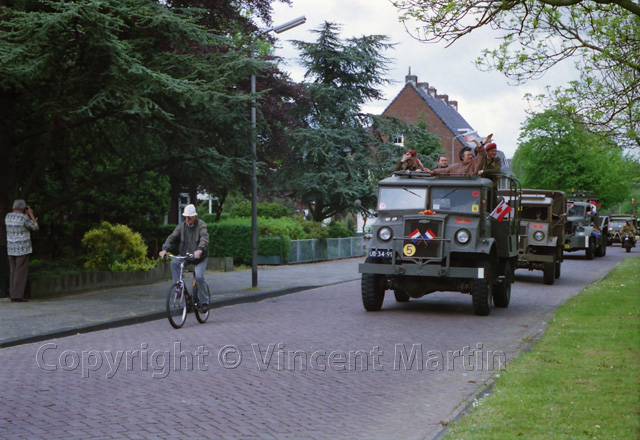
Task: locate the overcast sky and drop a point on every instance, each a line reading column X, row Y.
column 485, row 99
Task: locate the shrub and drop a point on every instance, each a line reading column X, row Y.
column 313, row 229
column 280, row 227
column 265, row 209
column 116, row 248
column 233, row 237
column 274, row 246
column 209, row 218
column 339, row 230
column 55, row 268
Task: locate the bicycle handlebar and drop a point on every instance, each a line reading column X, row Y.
column 179, row 257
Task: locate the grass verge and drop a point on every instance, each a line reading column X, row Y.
column 581, row 380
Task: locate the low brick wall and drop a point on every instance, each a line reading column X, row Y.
column 99, row 280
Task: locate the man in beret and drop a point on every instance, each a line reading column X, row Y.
column 492, row 164
column 408, row 162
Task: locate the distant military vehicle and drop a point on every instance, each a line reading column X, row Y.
column 585, row 229
column 541, row 238
column 616, row 222
column 435, row 233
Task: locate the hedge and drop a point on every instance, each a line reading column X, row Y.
column 265, row 209
column 232, row 238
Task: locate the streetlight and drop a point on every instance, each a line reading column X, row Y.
column 465, row 133
column 254, row 174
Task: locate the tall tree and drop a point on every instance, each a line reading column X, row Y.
column 331, row 151
column 559, row 154
column 97, row 95
column 600, row 36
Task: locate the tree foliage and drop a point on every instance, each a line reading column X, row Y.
column 331, row 149
column 556, row 153
column 104, row 105
column 601, row 36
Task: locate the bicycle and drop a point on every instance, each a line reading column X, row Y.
column 180, row 302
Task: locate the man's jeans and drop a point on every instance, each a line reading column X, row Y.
column 200, row 268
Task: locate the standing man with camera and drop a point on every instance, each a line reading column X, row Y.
column 19, row 225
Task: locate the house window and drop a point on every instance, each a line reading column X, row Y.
column 399, row 140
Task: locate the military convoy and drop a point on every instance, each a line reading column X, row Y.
column 585, row 230
column 453, row 233
column 436, row 233
column 541, row 237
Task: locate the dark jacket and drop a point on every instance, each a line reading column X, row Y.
column 188, row 240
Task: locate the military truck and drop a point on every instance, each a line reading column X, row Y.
column 435, row 233
column 541, row 237
column 585, row 230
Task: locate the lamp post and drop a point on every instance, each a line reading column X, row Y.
column 457, row 136
column 254, row 172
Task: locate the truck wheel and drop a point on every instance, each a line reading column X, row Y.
column 372, row 288
column 481, row 292
column 558, row 266
column 502, row 291
column 549, row 271
column 591, row 250
column 401, row 296
column 601, row 251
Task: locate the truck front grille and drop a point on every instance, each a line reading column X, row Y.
column 423, row 238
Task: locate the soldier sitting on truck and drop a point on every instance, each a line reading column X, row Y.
column 408, row 162
column 492, row 164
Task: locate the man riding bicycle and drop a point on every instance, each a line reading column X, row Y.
column 191, row 237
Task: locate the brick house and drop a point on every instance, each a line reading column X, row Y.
column 419, row 101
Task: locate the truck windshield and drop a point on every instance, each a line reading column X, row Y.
column 461, row 200
column 401, row 198
column 534, row 212
column 575, row 211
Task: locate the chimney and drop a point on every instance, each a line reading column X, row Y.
column 445, row 98
column 413, row 79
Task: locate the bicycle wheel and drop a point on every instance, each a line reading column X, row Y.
column 177, row 306
column 202, row 317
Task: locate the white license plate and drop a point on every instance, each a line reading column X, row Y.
column 381, row 253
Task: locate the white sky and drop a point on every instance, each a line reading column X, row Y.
column 485, row 99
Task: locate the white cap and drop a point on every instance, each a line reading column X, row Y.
column 189, row 211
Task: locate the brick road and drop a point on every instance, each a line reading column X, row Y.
column 359, row 382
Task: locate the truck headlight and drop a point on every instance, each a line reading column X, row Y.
column 385, row 234
column 463, row 236
column 538, row 235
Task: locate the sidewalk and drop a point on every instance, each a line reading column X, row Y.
column 38, row 320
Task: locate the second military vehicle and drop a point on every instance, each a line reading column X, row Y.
column 541, row 238
column 435, row 233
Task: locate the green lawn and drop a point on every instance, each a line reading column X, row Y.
column 581, row 380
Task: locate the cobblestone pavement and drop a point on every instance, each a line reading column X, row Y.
column 311, row 365
column 63, row 316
